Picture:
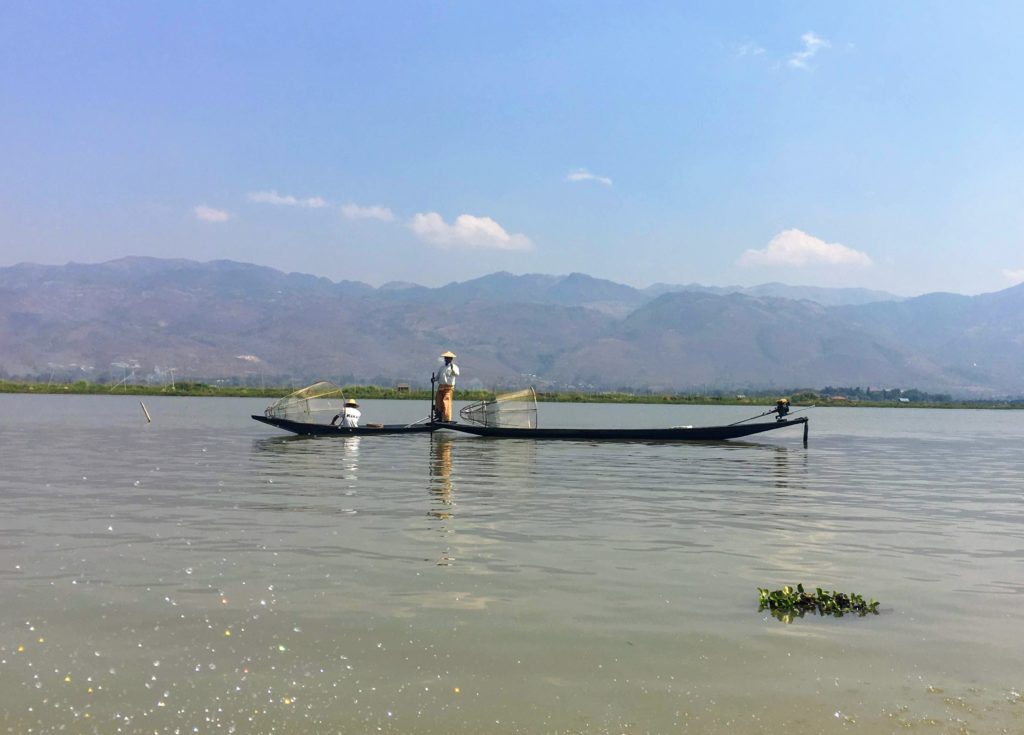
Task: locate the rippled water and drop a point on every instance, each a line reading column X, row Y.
column 208, row 574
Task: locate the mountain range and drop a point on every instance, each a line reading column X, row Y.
column 229, row 320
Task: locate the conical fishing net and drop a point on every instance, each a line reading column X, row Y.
column 510, row 410
column 315, row 404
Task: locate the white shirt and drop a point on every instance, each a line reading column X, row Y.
column 447, row 374
column 350, row 417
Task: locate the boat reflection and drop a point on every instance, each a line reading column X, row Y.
column 785, row 465
column 789, row 468
column 302, row 456
column 500, row 463
column 302, row 467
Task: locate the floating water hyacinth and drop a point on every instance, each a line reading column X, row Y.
column 788, row 603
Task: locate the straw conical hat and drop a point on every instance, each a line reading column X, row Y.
column 448, row 354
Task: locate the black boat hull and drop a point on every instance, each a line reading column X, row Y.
column 297, row 427
column 672, row 434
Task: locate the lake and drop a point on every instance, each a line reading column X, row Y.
column 208, row 574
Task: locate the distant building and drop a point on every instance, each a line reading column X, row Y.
column 904, row 400
column 402, row 387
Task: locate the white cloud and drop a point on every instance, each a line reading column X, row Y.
column 1014, row 276
column 476, row 233
column 812, row 44
column 272, row 197
column 749, row 49
column 797, row 248
column 581, row 174
column 375, row 211
column 209, row 214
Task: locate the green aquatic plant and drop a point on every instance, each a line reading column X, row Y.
column 788, row 603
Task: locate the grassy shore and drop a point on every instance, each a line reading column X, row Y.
column 192, row 389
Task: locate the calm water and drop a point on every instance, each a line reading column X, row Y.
column 208, row 574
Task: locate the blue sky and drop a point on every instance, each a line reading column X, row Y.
column 860, row 144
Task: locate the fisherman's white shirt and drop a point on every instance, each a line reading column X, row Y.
column 447, row 374
column 350, row 418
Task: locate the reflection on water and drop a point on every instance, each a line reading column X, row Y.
column 304, row 456
column 441, row 488
column 781, row 469
column 440, row 473
column 212, row 576
column 350, row 461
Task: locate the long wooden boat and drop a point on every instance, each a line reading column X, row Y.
column 673, row 434
column 508, row 416
column 310, row 429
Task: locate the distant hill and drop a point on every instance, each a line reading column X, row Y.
column 978, row 340
column 576, row 289
column 737, row 340
column 224, row 320
column 823, row 296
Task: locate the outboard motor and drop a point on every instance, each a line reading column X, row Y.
column 782, row 408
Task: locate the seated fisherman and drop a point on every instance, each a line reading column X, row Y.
column 781, row 408
column 349, row 415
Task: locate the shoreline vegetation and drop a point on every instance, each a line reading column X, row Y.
column 803, row 397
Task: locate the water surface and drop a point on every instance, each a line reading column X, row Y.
column 205, row 573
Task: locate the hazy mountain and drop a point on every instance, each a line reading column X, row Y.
column 736, row 340
column 823, row 296
column 576, row 289
column 225, row 319
column 979, row 339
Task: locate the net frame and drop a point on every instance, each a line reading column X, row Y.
column 517, row 410
column 315, row 404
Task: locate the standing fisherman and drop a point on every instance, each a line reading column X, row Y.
column 445, row 388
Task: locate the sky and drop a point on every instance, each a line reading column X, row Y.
column 868, row 144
